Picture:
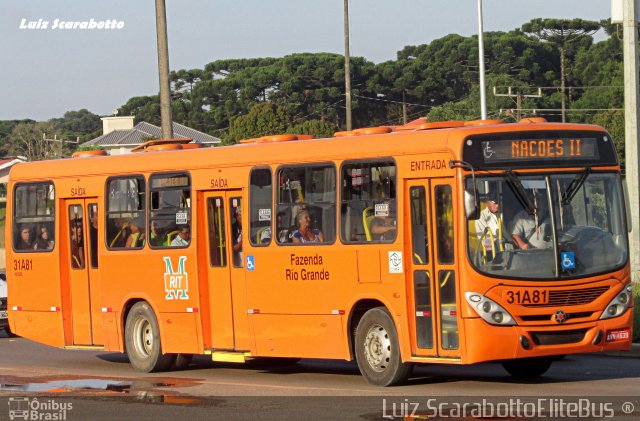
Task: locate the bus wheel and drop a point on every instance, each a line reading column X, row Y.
column 9, row 333
column 377, row 349
column 526, row 368
column 142, row 337
column 182, row 361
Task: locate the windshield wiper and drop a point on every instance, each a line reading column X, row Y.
column 517, row 187
column 575, row 185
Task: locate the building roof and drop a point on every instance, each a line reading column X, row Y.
column 143, row 131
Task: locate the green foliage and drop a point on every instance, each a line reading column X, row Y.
column 613, row 121
column 81, row 124
column 317, row 128
column 89, row 148
column 33, row 140
column 263, row 119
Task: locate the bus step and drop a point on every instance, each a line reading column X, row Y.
column 230, row 357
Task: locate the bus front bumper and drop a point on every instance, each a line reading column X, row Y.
column 485, row 342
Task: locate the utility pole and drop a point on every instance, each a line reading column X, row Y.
column 347, row 64
column 483, row 93
column 163, row 70
column 518, row 98
column 632, row 142
column 404, row 107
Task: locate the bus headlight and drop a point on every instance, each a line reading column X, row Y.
column 492, row 312
column 618, row 305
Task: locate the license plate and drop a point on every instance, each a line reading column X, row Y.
column 3, row 314
column 526, row 296
column 618, row 335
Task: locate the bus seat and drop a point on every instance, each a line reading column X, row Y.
column 367, row 218
column 171, row 236
column 260, row 233
column 121, row 235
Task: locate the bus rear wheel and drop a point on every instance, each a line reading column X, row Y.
column 378, row 351
column 142, row 338
column 9, row 333
column 527, row 368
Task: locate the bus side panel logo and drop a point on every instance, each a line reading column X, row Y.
column 176, row 282
column 395, row 262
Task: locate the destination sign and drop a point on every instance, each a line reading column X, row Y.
column 173, row 181
column 539, row 149
column 546, row 149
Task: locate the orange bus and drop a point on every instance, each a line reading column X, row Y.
column 450, row 242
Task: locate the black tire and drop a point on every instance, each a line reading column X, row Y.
column 377, row 349
column 9, row 333
column 527, row 368
column 142, row 338
column 182, row 361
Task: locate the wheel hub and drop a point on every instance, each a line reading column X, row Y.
column 377, row 348
column 143, row 337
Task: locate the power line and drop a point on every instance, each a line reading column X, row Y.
column 392, row 102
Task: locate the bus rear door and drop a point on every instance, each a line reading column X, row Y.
column 430, row 269
column 228, row 326
column 78, row 235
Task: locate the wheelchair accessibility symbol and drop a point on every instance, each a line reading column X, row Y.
column 251, row 263
column 567, row 260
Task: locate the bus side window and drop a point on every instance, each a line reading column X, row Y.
column 260, row 200
column 306, row 191
column 368, row 206
column 34, row 217
column 169, row 210
column 125, row 202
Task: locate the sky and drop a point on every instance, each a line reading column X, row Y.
column 47, row 70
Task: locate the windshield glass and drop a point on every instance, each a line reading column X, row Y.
column 548, row 226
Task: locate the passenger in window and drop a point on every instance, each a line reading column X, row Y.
column 383, row 226
column 25, row 243
column 77, row 245
column 158, row 237
column 306, row 234
column 136, row 238
column 236, row 235
column 182, row 239
column 490, row 221
column 43, row 242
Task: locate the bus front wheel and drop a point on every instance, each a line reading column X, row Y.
column 9, row 333
column 142, row 338
column 527, row 368
column 378, row 351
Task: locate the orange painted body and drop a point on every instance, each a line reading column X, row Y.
column 280, row 308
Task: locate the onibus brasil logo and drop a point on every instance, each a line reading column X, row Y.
column 176, row 282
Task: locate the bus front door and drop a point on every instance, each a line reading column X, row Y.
column 431, row 274
column 226, row 301
column 80, row 256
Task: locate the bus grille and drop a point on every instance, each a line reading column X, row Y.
column 558, row 338
column 571, row 297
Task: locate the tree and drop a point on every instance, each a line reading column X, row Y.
column 31, row 141
column 81, row 124
column 561, row 33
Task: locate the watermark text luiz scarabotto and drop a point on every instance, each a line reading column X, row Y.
column 62, row 24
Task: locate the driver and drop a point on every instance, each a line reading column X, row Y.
column 529, row 230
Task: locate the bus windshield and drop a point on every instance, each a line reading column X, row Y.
column 548, row 226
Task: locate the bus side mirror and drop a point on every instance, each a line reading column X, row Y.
column 472, row 205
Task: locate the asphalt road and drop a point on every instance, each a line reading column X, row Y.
column 101, row 385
